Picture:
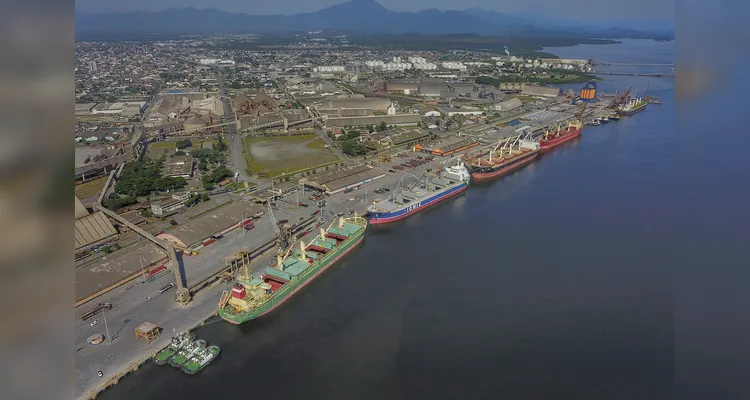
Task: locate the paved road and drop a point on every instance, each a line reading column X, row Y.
column 235, row 138
column 139, row 302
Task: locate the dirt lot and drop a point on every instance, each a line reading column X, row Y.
column 272, row 156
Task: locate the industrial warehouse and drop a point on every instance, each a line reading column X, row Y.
column 332, row 182
column 446, row 147
column 195, row 233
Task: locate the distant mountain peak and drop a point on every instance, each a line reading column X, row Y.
column 359, row 5
column 364, row 16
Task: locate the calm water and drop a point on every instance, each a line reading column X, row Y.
column 554, row 283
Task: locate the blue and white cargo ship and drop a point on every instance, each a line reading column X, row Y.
column 404, row 202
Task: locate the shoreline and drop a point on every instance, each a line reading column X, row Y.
column 137, row 360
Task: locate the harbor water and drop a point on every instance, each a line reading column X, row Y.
column 552, row 283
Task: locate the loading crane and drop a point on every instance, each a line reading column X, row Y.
column 621, row 98
column 283, row 232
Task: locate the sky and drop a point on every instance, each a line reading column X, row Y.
column 568, row 9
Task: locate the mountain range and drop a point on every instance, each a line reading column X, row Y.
column 365, row 16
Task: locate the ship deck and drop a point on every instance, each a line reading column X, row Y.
column 414, row 195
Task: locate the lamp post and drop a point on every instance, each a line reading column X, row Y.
column 106, row 328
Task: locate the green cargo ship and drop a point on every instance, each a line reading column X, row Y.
column 253, row 297
column 186, row 352
column 178, row 342
column 632, row 107
column 199, row 360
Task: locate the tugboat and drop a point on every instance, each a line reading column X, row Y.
column 614, row 116
column 185, row 353
column 178, row 342
column 200, row 359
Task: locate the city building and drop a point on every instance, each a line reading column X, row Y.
column 507, row 105
column 179, row 166
column 433, row 90
column 167, row 206
column 406, row 88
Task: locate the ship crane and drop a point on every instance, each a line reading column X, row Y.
column 503, row 142
column 397, row 188
column 283, row 233
column 621, row 98
column 419, row 179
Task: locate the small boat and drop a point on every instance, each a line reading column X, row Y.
column 178, row 342
column 186, row 353
column 199, row 360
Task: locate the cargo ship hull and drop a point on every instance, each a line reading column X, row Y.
column 630, row 112
column 292, row 287
column 487, row 173
column 392, row 216
column 548, row 145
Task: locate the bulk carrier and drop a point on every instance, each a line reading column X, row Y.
column 633, row 106
column 252, row 297
column 552, row 139
column 425, row 192
column 507, row 156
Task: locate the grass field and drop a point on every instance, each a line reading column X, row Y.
column 90, row 188
column 273, row 156
column 156, row 149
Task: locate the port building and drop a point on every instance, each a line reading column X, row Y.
column 508, row 105
column 540, row 91
column 399, row 136
column 397, row 120
column 91, row 229
column 444, row 147
column 200, row 231
column 341, row 179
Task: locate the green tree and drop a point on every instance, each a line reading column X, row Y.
column 184, row 143
column 220, row 145
column 383, row 126
column 116, row 204
column 352, row 147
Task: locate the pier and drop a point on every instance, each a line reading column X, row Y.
column 653, row 75
column 596, row 62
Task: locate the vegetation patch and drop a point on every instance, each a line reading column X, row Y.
column 158, row 149
column 90, row 188
column 270, row 157
column 144, row 177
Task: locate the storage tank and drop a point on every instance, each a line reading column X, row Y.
column 588, row 92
